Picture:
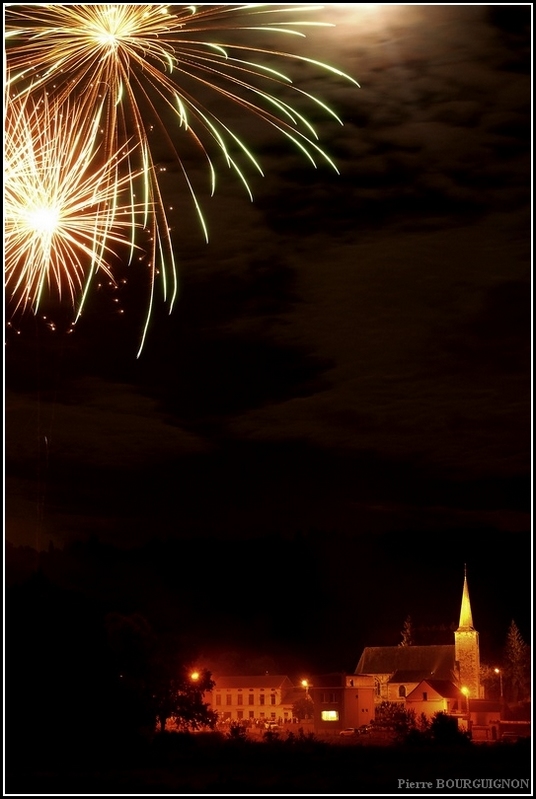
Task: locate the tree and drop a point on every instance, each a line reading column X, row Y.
column 154, row 684
column 517, row 664
column 394, row 716
column 178, row 695
column 303, row 708
column 490, row 679
column 444, row 730
column 407, row 633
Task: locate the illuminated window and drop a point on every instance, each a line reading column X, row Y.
column 330, row 715
column 218, row 699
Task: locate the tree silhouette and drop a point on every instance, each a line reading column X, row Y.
column 517, row 664
column 407, row 633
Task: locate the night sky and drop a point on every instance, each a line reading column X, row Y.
column 337, row 414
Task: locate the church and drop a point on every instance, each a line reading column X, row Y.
column 398, row 670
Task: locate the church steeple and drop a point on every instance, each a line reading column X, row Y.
column 466, row 617
column 466, row 645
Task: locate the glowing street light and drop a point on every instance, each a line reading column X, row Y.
column 194, row 676
column 305, row 684
column 465, row 692
column 499, row 672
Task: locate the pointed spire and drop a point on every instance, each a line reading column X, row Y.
column 466, row 617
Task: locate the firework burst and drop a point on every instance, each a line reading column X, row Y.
column 149, row 62
column 61, row 207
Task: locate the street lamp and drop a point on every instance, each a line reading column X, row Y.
column 465, row 692
column 305, row 684
column 194, row 676
column 499, row 672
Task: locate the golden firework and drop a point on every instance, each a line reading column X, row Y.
column 159, row 72
column 61, row 206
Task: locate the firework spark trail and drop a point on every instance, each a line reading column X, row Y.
column 146, row 60
column 61, row 207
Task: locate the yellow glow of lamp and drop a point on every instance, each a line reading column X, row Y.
column 499, row 672
column 465, row 692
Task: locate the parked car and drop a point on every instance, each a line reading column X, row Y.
column 349, row 731
column 364, row 729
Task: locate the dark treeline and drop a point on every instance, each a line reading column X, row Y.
column 212, row 764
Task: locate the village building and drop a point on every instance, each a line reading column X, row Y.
column 398, row 670
column 341, row 701
column 268, row 697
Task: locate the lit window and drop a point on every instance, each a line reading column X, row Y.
column 330, row 715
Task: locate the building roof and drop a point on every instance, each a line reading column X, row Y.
column 408, row 676
column 414, row 662
column 293, row 695
column 267, row 681
column 445, row 689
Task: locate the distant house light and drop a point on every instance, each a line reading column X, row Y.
column 330, row 715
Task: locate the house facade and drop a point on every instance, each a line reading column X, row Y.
column 253, row 698
column 341, row 700
column 436, row 696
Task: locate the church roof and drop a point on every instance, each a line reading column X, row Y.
column 420, row 662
